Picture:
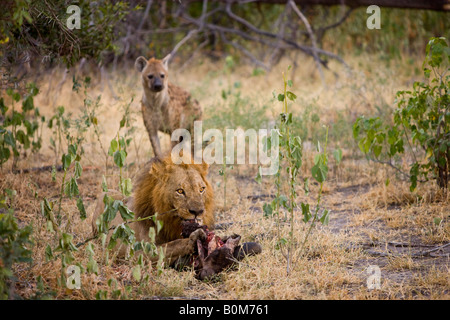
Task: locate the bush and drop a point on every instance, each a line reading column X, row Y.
column 15, row 244
column 421, row 123
column 18, row 129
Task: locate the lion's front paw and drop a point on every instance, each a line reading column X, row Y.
column 198, row 234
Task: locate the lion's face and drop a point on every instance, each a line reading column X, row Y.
column 186, row 189
column 176, row 193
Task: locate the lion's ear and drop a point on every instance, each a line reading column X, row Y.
column 156, row 167
column 204, row 168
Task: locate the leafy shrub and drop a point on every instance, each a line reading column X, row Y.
column 19, row 130
column 15, row 243
column 290, row 162
column 27, row 25
column 421, row 123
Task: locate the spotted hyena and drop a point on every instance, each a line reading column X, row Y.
column 165, row 107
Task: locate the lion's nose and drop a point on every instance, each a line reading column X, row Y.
column 196, row 212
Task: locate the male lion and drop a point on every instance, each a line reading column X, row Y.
column 176, row 193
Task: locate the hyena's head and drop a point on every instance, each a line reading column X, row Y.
column 154, row 72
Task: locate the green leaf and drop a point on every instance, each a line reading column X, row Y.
column 104, row 184
column 92, row 266
column 283, row 201
column 14, row 95
column 90, row 249
column 66, row 161
column 71, row 188
column 159, row 225
column 124, row 233
column 9, row 139
column 258, row 71
column 126, row 187
column 27, row 16
column 137, row 273
column 3, row 107
column 377, row 151
column 291, row 96
column 46, row 208
column 4, row 154
column 125, row 213
column 119, row 158
column 319, row 172
column 122, row 144
column 152, row 234
column 337, row 153
column 281, row 242
column 78, row 170
column 258, row 177
column 325, row 217
column 53, row 173
column 268, row 210
column 306, row 186
column 306, row 212
column 48, row 253
column 280, row 97
column 73, row 151
column 122, row 122
column 27, row 104
column 23, row 139
column 66, row 244
column 81, row 208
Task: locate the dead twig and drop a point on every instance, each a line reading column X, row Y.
column 428, row 252
column 191, row 33
column 278, row 41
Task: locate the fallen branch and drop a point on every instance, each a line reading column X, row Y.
column 38, row 169
column 424, row 253
column 428, row 252
column 277, row 41
column 245, row 51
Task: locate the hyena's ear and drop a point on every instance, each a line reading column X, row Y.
column 140, row 63
column 165, row 61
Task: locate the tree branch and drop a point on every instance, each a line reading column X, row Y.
column 312, row 37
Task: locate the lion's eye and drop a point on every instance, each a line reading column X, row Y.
column 180, row 191
column 202, row 189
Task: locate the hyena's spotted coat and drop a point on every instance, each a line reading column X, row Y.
column 165, row 107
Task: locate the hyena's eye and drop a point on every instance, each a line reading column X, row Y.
column 180, row 191
column 150, row 76
column 162, row 75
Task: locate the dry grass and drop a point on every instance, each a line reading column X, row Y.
column 365, row 213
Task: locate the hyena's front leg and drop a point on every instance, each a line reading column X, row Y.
column 155, row 144
column 152, row 132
